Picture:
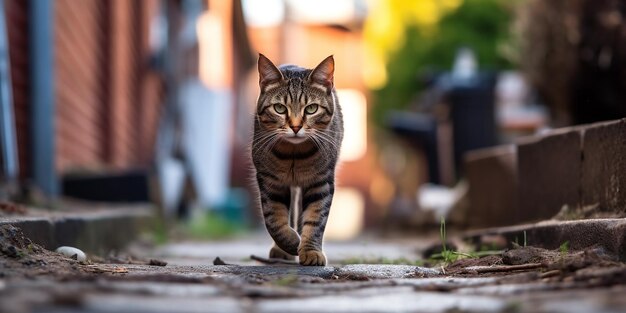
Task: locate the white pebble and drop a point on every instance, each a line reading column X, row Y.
column 70, row 252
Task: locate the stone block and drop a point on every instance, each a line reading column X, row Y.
column 609, row 234
column 38, row 229
column 492, row 178
column 604, row 167
column 103, row 231
column 549, row 171
column 68, row 230
column 97, row 232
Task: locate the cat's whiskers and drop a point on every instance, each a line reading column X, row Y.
column 327, row 131
column 263, row 139
column 314, row 141
column 327, row 146
column 271, row 137
column 262, row 136
column 319, row 145
column 327, row 138
column 324, row 145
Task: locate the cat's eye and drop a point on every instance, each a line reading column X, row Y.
column 279, row 108
column 311, row 108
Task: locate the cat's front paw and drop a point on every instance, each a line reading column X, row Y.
column 312, row 258
column 278, row 253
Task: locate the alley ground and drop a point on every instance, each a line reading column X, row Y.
column 526, row 279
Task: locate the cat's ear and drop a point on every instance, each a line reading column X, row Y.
column 323, row 73
column 268, row 72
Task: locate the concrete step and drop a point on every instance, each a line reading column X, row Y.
column 534, row 179
column 95, row 228
column 608, row 234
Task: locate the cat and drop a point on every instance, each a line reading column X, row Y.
column 298, row 130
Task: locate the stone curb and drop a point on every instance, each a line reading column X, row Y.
column 535, row 178
column 581, row 234
column 97, row 232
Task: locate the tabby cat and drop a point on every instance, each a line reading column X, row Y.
column 298, row 130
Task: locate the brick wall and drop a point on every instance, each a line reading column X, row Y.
column 122, row 126
column 17, row 27
column 80, row 37
column 107, row 99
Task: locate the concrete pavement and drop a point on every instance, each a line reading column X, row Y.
column 190, row 283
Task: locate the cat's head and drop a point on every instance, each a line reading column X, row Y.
column 295, row 102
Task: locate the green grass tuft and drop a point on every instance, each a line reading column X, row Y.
column 564, row 248
column 449, row 256
column 211, row 225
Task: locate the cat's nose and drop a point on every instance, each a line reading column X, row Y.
column 295, row 128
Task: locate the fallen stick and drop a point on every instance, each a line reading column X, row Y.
column 273, row 261
column 505, row 268
column 104, row 269
column 550, row 274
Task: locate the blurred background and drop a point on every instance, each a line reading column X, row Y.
column 152, row 101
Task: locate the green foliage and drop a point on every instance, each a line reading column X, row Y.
column 212, row 225
column 482, row 25
column 450, row 256
column 516, row 242
column 159, row 232
column 442, row 232
column 564, row 248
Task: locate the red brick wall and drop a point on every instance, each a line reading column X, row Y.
column 17, row 27
column 107, row 99
column 120, row 128
column 80, row 32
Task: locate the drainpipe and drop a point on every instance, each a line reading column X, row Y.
column 42, row 95
column 8, row 151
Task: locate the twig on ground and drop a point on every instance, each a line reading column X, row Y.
column 95, row 268
column 550, row 274
column 505, row 268
column 272, row 261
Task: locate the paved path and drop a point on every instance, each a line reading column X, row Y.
column 190, row 283
column 238, row 251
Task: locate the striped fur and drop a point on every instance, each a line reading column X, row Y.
column 298, row 131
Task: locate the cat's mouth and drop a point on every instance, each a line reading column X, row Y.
column 295, row 138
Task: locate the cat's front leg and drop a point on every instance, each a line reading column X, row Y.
column 275, row 207
column 316, row 202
